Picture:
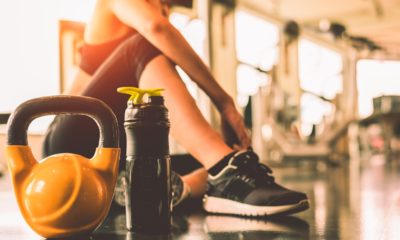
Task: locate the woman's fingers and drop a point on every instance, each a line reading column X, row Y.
column 236, row 127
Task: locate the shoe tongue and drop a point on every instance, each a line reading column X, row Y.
column 243, row 157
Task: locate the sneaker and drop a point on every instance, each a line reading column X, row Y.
column 245, row 187
column 180, row 190
column 119, row 194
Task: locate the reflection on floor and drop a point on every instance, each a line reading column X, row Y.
column 356, row 200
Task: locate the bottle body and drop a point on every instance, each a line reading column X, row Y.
column 148, row 189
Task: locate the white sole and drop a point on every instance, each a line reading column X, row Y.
column 226, row 206
column 240, row 224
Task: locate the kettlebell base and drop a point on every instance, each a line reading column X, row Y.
column 53, row 195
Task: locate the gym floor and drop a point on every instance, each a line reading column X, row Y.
column 355, row 200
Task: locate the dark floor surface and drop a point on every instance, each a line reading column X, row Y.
column 355, row 200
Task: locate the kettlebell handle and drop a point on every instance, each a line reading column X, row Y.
column 25, row 113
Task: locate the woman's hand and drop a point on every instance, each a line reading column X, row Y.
column 233, row 129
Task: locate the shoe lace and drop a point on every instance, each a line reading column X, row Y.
column 251, row 170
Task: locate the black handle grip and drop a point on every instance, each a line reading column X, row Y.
column 25, row 113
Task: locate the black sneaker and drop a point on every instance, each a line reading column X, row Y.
column 245, row 187
column 180, row 190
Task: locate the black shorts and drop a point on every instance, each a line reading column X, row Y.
column 79, row 134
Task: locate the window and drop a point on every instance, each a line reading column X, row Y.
column 321, row 79
column 320, row 69
column 376, row 78
column 257, row 52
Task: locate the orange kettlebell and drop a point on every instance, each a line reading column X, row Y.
column 64, row 194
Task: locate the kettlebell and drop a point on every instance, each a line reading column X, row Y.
column 64, row 194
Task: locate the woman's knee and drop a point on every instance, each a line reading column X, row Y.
column 159, row 72
column 138, row 53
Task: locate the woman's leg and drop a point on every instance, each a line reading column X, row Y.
column 137, row 60
column 197, row 181
column 188, row 125
column 79, row 134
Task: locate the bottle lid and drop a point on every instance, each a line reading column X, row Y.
column 137, row 93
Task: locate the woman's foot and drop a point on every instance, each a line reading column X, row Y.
column 180, row 190
column 245, row 187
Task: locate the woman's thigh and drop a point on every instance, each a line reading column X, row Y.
column 79, row 134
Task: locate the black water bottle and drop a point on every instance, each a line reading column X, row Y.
column 148, row 189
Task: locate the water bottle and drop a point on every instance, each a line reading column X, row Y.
column 148, row 189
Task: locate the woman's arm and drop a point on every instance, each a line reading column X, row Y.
column 148, row 21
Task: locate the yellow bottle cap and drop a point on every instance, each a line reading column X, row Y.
column 137, row 93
